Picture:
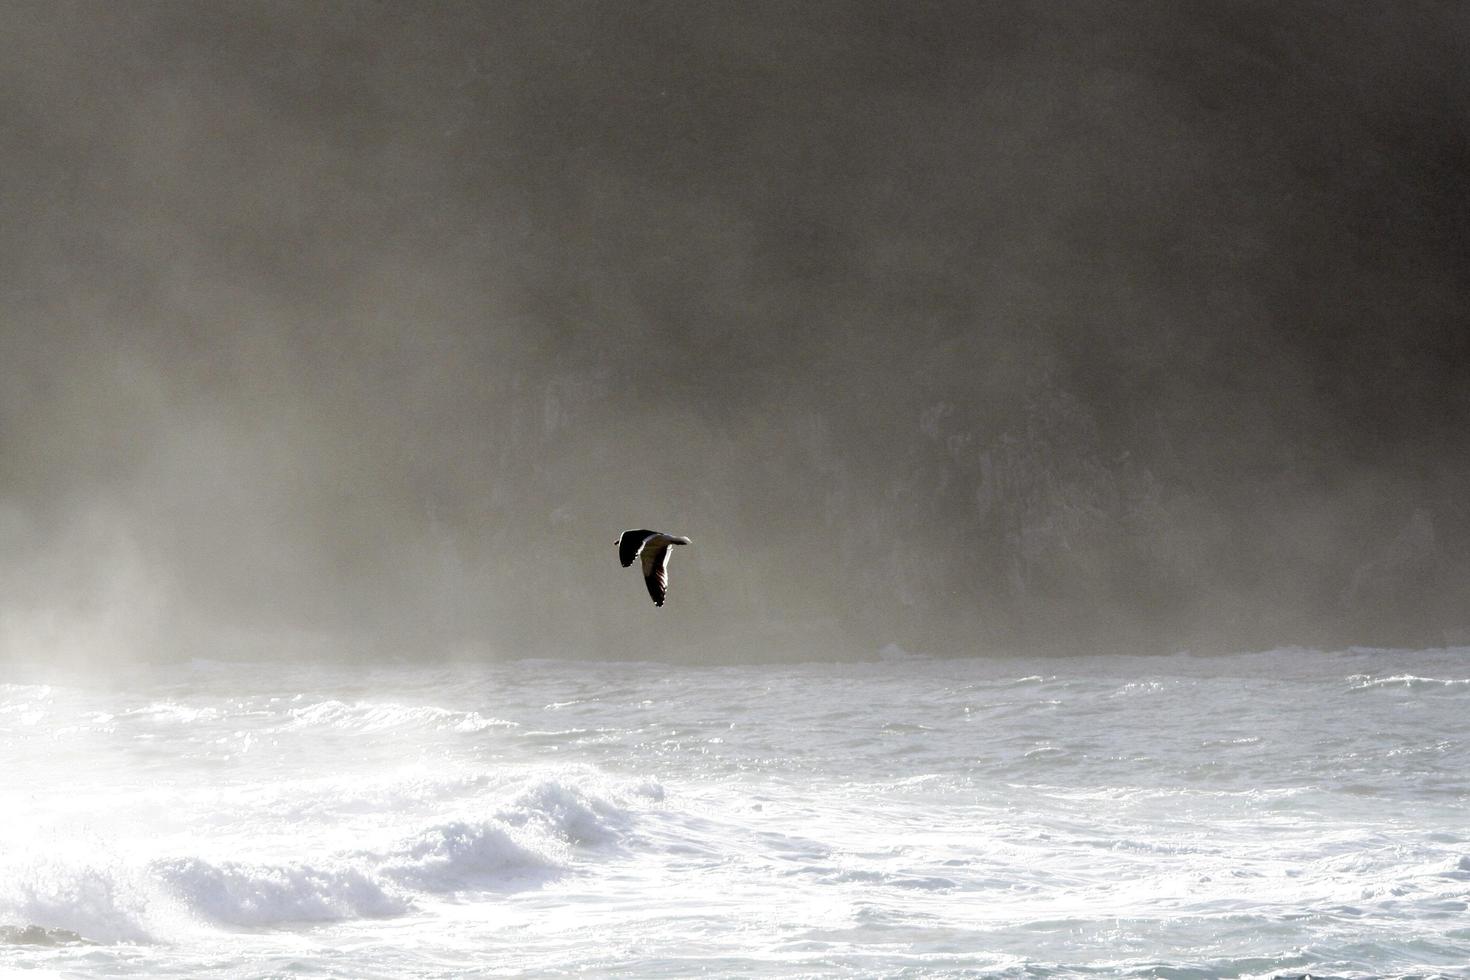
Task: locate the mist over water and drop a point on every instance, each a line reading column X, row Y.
column 1001, row 360
column 364, row 328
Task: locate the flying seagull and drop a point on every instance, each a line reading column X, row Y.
column 653, row 548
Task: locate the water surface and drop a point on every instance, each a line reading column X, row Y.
column 1262, row 814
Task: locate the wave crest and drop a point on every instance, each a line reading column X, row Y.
column 1364, row 682
column 530, row 832
column 462, row 855
column 239, row 894
column 376, row 716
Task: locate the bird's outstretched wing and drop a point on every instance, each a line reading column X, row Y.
column 656, row 573
column 630, row 543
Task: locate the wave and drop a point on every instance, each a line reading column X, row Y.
column 1032, row 679
column 1364, row 682
column 579, row 817
column 171, row 712
column 375, row 716
column 461, row 855
column 253, row 895
column 1138, row 688
column 25, row 705
column 106, row 902
column 542, row 830
column 889, row 879
column 25, row 692
column 454, row 856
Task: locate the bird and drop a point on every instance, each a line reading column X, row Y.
column 653, row 548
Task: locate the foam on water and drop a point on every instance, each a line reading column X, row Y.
column 1366, row 682
column 531, row 838
column 1277, row 813
column 370, row 716
column 238, row 894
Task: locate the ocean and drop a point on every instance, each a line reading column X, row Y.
column 1266, row 814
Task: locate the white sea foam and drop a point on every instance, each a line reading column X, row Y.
column 530, row 838
column 100, row 902
column 1362, row 682
column 239, row 894
column 459, row 855
column 1181, row 816
column 373, row 716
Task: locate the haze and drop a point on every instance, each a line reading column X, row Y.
column 364, row 328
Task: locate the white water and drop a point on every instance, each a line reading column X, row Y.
column 1256, row 815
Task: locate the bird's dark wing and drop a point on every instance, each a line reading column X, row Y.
column 656, row 573
column 629, row 543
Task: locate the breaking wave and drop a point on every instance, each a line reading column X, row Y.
column 1364, row 682
column 541, row 832
column 239, row 894
column 1099, row 816
column 373, row 716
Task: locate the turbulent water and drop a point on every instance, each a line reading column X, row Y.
column 1264, row 814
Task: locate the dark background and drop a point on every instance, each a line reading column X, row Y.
column 973, row 327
